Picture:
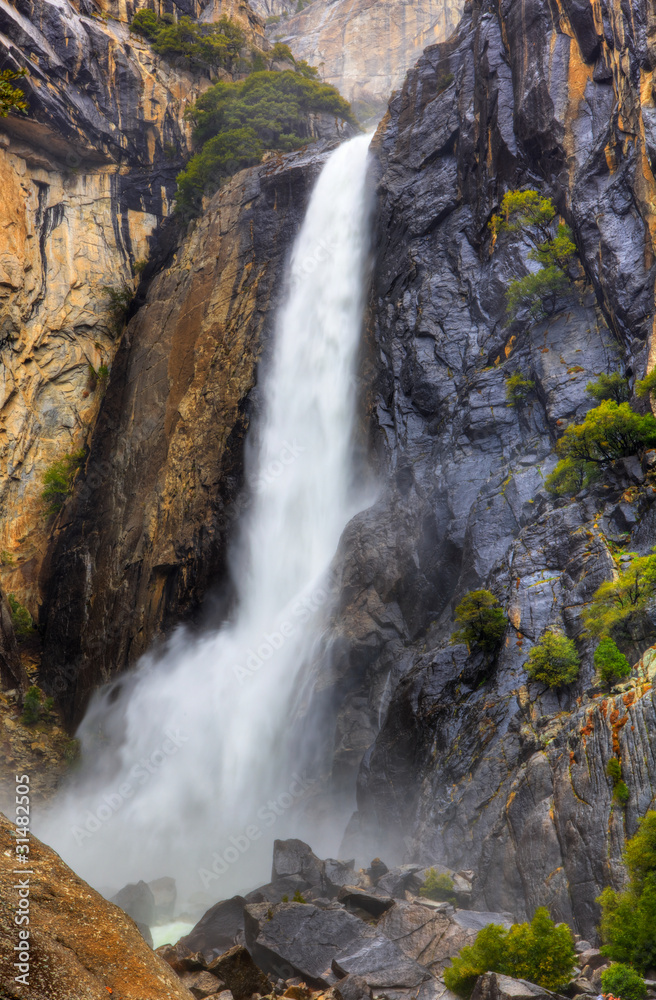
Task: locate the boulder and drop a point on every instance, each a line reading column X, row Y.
column 218, row 929
column 273, row 892
column 201, row 984
column 377, row 869
column 433, row 933
column 301, row 939
column 381, row 963
column 339, row 873
column 164, row 896
column 592, row 959
column 81, row 944
column 237, row 970
column 137, row 900
column 355, row 899
column 493, row 986
column 293, row 857
column 353, row 988
column 399, row 880
column 580, row 987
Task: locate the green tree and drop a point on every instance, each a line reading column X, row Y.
column 21, row 619
column 58, row 481
column 11, row 98
column 613, row 386
column 518, row 387
column 438, row 887
column 541, row 952
column 609, row 431
column 236, row 122
column 624, row 982
column 553, row 660
column 628, row 918
column 647, row 384
column 618, row 607
column 35, row 706
column 482, row 621
column 610, row 663
column 529, row 214
column 571, row 476
column 199, row 46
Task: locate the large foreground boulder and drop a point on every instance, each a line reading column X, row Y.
column 221, row 927
column 324, row 945
column 80, row 946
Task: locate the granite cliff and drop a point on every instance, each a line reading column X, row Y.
column 479, row 769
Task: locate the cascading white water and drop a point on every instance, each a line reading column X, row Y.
column 188, row 775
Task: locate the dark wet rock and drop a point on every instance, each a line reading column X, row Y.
column 339, row 873
column 377, row 869
column 381, row 963
column 295, row 858
column 355, row 899
column 300, row 939
column 237, row 970
column 12, row 671
column 397, row 881
column 138, row 901
column 221, row 927
column 273, row 892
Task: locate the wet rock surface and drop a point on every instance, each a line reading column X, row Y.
column 474, row 765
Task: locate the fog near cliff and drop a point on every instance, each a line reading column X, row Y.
column 187, row 766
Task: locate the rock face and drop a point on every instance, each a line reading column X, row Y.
column 79, row 944
column 145, row 531
column 475, row 766
column 85, row 180
column 12, row 672
column 363, row 47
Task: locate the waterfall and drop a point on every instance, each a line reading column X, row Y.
column 186, row 771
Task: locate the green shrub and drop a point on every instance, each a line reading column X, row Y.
column 35, row 706
column 554, row 660
column 541, row 952
column 621, row 792
column 628, row 918
column 529, row 214
column 482, row 619
column 614, row 770
column 618, row 606
column 298, row 897
column 610, row 663
column 571, row 476
column 517, row 388
column 282, row 53
column 538, row 292
column 237, row 122
column 11, row 98
column 438, row 887
column 647, row 384
column 623, row 982
column 119, row 303
column 613, row 386
column 609, row 431
column 58, row 481
column 21, row 619
column 198, row 46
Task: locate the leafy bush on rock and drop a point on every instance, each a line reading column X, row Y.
column 438, row 887
column 541, row 952
column 554, row 660
column 613, row 386
column 618, row 607
column 482, row 621
column 623, row 982
column 611, row 664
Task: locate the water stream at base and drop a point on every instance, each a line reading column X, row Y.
column 185, row 772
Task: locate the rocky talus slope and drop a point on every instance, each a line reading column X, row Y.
column 363, row 47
